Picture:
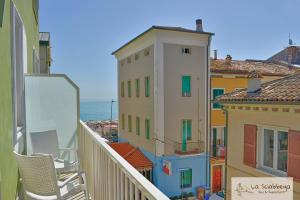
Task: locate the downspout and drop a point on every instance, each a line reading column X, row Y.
column 208, row 115
column 226, row 146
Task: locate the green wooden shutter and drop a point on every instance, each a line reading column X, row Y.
column 123, row 121
column 214, row 142
column 122, row 89
column 147, row 86
column 137, row 124
column 137, row 87
column 216, row 93
column 186, row 86
column 129, row 123
column 129, row 88
column 189, row 129
column 186, row 178
column 2, row 4
column 147, row 128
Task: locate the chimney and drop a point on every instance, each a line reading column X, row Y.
column 199, row 27
column 215, row 54
column 254, row 82
column 228, row 60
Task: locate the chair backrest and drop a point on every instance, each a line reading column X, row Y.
column 45, row 142
column 38, row 174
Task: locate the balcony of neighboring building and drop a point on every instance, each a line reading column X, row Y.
column 189, row 147
column 52, row 103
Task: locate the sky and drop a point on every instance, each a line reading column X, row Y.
column 85, row 33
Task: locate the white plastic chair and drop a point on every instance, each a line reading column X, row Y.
column 46, row 142
column 40, row 181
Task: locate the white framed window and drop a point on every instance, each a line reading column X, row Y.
column 19, row 67
column 274, row 150
column 186, row 50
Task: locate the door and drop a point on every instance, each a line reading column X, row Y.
column 217, row 178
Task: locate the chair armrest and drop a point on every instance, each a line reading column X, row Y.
column 71, row 178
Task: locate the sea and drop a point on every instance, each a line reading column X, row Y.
column 97, row 110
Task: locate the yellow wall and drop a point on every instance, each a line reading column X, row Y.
column 229, row 83
column 245, row 114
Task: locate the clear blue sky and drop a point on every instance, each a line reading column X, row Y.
column 84, row 33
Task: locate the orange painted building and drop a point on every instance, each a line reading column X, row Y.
column 227, row 76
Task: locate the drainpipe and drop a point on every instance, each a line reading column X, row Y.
column 208, row 115
column 226, row 146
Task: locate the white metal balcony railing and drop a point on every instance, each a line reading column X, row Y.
column 109, row 175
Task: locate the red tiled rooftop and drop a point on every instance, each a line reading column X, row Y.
column 284, row 91
column 245, row 66
column 133, row 155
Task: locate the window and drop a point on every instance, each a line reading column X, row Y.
column 129, row 88
column 147, row 128
column 137, row 87
column 186, row 86
column 137, row 125
column 275, row 149
column 186, row 178
column 129, row 123
column 218, row 142
column 216, row 93
column 122, row 89
column 128, row 60
column 146, row 52
column 123, row 121
column 147, row 86
column 186, row 51
column 187, row 128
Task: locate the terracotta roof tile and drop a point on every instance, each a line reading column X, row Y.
column 285, row 90
column 245, row 66
column 133, row 155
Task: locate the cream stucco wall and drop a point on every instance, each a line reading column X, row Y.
column 137, row 106
column 236, row 120
column 178, row 108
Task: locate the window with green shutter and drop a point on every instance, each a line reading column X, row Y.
column 122, row 89
column 137, row 125
column 186, row 86
column 2, row 2
column 137, row 87
column 147, row 129
column 123, row 121
column 147, row 86
column 216, row 93
column 186, row 178
column 129, row 123
column 129, row 88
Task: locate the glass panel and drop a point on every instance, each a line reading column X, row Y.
column 282, row 151
column 52, row 104
column 268, row 147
